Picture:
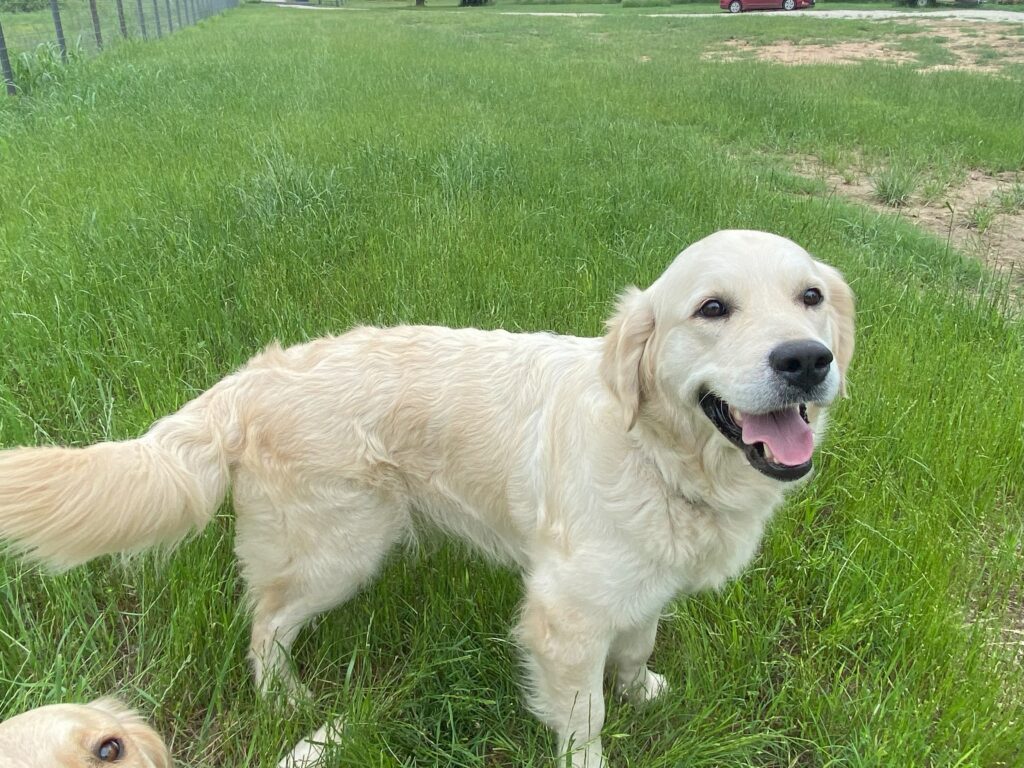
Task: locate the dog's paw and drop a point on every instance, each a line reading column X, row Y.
column 309, row 753
column 646, row 687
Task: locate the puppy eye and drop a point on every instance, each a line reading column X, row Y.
column 110, row 751
column 713, row 308
column 812, row 297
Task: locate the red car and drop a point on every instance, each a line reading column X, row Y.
column 735, row 6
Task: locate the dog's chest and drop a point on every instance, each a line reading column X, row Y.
column 711, row 546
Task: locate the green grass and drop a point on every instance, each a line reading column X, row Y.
column 31, row 35
column 644, row 3
column 895, row 185
column 1011, row 199
column 981, row 216
column 169, row 208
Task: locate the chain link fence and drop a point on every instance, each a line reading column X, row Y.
column 36, row 36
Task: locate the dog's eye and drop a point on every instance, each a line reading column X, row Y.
column 110, row 751
column 812, row 297
column 713, row 308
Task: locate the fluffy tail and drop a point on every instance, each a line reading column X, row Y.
column 64, row 506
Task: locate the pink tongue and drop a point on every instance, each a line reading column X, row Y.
column 785, row 432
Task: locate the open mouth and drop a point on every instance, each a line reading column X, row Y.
column 778, row 444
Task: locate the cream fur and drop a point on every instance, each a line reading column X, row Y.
column 69, row 735
column 586, row 462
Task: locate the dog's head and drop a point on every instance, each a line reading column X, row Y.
column 744, row 336
column 81, row 736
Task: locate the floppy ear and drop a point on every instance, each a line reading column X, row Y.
column 629, row 330
column 141, row 739
column 840, row 302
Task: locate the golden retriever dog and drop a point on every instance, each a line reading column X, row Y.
column 81, row 736
column 106, row 731
column 614, row 472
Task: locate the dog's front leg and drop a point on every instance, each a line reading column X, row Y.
column 565, row 659
column 627, row 663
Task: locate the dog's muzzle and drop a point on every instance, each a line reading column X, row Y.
column 778, row 444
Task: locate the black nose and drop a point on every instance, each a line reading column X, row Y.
column 803, row 364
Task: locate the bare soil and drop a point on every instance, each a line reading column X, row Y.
column 973, row 47
column 972, row 213
column 978, row 48
column 788, row 52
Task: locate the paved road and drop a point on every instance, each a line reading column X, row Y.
column 823, row 14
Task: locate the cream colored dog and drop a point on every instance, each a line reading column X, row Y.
column 81, row 736
column 615, row 472
column 106, row 731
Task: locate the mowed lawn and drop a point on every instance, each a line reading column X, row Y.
column 168, row 208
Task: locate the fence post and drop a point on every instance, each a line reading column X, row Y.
column 96, row 24
column 55, row 12
column 156, row 13
column 120, row 18
column 177, row 7
column 142, row 19
column 170, row 23
column 5, row 64
column 188, row 19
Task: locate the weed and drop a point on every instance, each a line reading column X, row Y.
column 895, row 185
column 980, row 216
column 1011, row 199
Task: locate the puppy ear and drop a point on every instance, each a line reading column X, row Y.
column 629, row 330
column 139, row 737
column 840, row 304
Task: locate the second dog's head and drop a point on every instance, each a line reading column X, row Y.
column 104, row 732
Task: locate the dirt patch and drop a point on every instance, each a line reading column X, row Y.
column 786, row 52
column 986, row 48
column 982, row 215
column 976, row 48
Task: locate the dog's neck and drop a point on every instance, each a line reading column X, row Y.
column 695, row 463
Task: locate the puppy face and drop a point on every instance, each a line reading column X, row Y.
column 81, row 736
column 746, row 331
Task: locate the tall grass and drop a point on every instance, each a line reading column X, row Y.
column 170, row 208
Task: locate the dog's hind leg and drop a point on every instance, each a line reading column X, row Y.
column 305, row 557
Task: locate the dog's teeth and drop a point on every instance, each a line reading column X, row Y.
column 768, row 452
column 736, row 416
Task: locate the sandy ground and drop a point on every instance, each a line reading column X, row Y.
column 973, row 47
column 970, row 213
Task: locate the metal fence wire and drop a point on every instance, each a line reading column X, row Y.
column 37, row 35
